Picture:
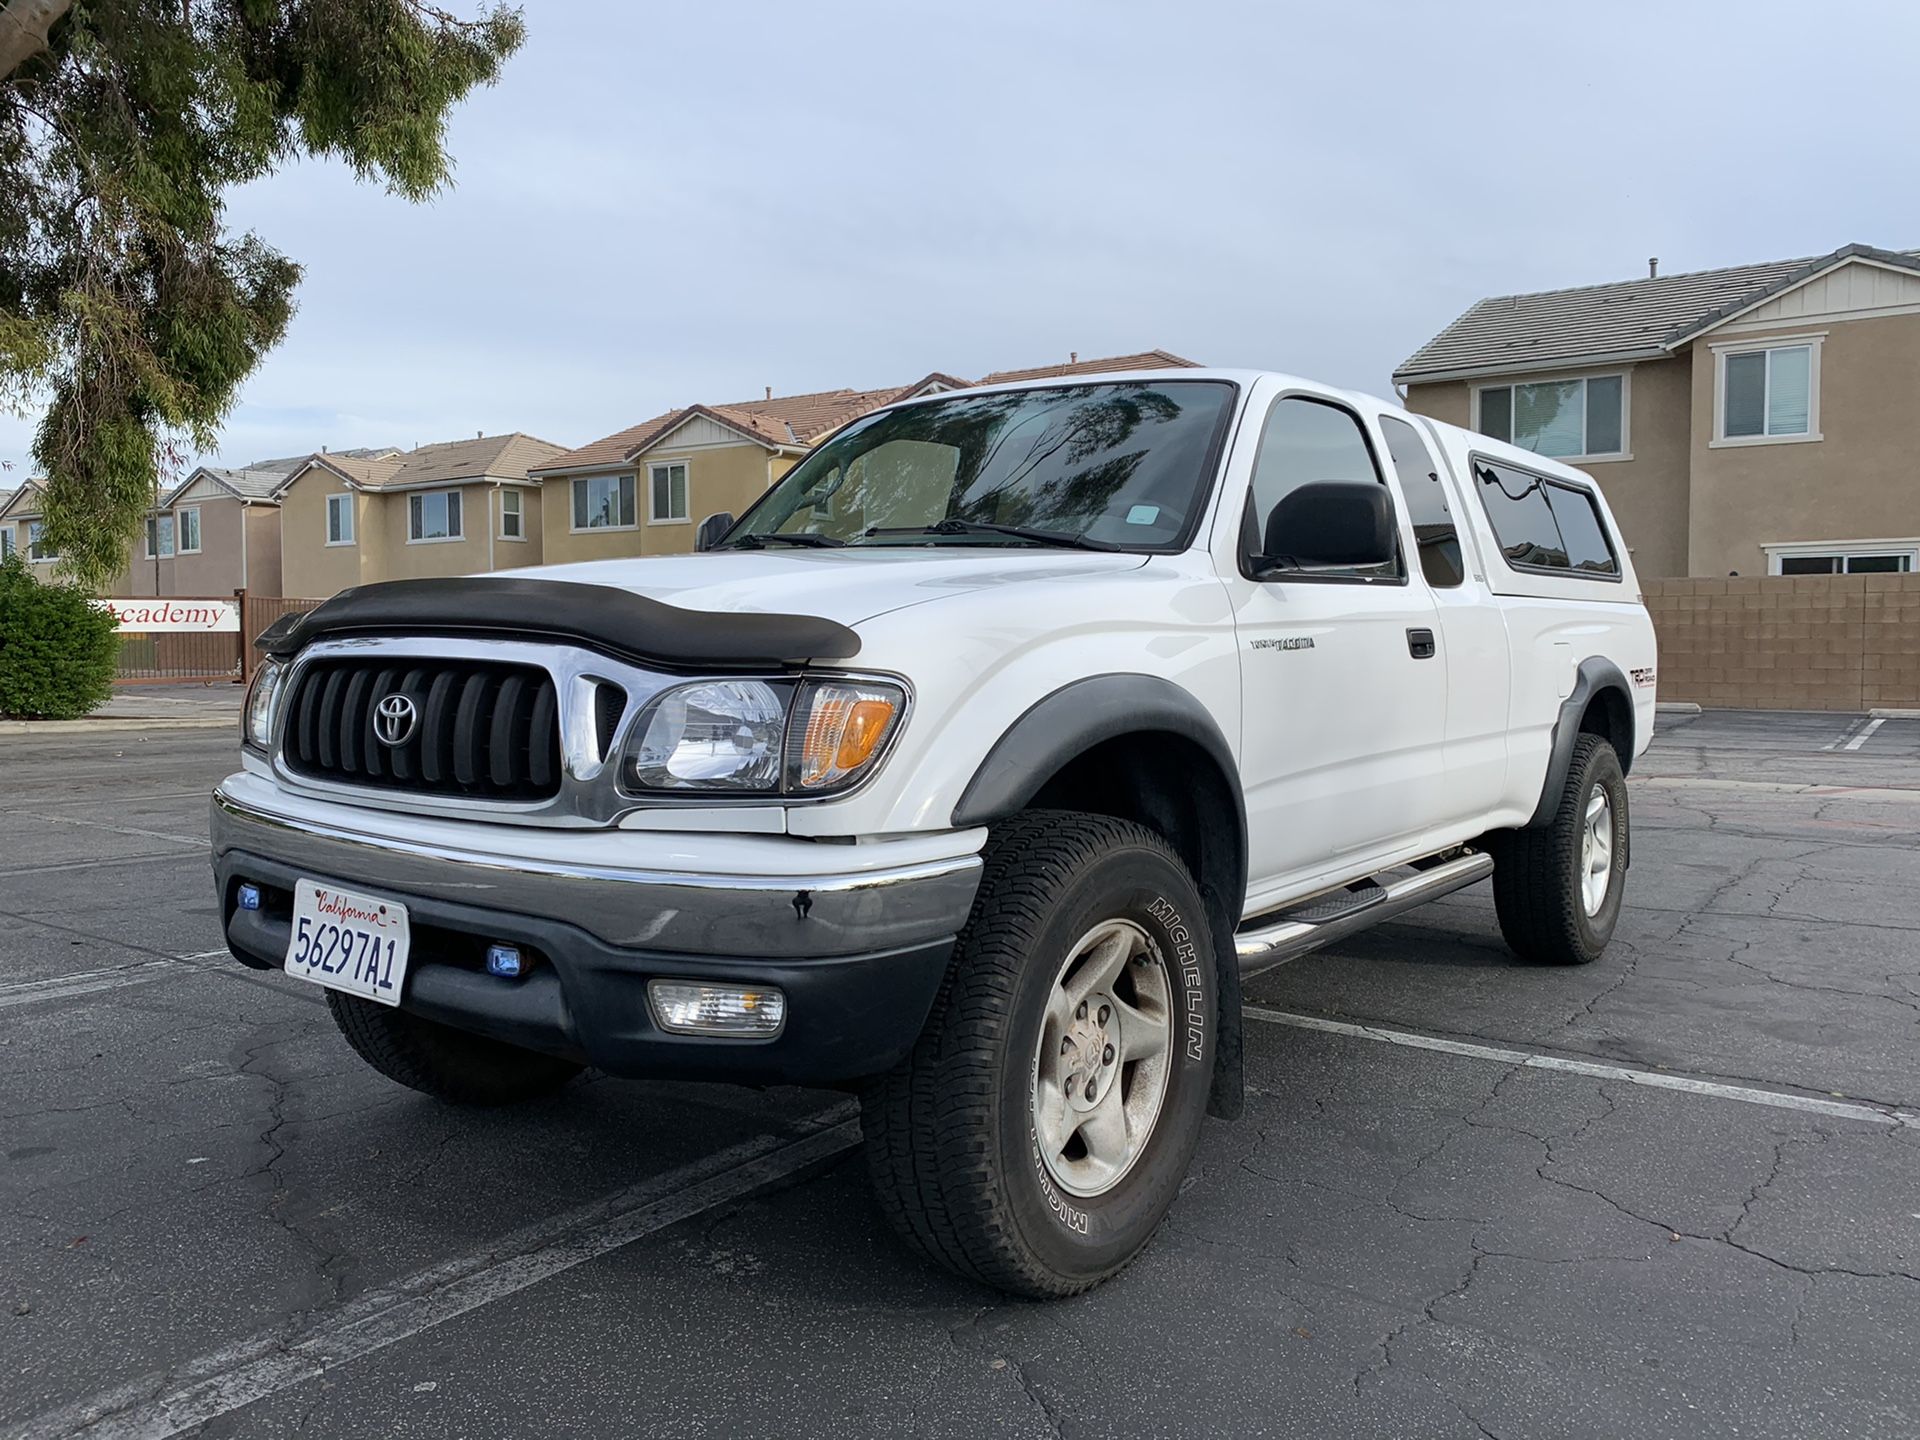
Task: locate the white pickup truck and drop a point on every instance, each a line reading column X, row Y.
column 972, row 768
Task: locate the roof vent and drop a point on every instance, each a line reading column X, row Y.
column 1073, row 357
column 769, row 392
column 1653, row 267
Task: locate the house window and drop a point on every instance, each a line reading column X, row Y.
column 1566, row 419
column 668, row 485
column 603, row 502
column 510, row 518
column 1882, row 557
column 37, row 550
column 340, row 519
column 433, row 515
column 1768, row 394
column 187, row 528
column 159, row 537
column 1545, row 525
column 7, row 543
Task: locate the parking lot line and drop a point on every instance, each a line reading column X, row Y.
column 172, row 857
column 1865, row 735
column 1533, row 1060
column 1781, row 787
column 90, row 982
column 272, row 1360
column 200, row 843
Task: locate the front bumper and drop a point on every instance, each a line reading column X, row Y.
column 859, row 950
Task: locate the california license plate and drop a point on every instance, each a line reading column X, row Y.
column 349, row 941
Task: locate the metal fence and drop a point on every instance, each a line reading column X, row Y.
column 257, row 612
column 149, row 658
column 210, row 657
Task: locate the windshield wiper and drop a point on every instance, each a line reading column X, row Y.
column 953, row 525
column 804, row 538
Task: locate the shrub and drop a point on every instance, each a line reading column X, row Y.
column 57, row 649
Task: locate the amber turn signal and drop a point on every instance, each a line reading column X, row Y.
column 844, row 728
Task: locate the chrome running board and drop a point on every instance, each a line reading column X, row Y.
column 1264, row 946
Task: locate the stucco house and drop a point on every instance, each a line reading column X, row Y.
column 215, row 532
column 1743, row 420
column 461, row 507
column 644, row 489
column 20, row 528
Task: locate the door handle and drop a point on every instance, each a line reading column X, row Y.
column 1420, row 644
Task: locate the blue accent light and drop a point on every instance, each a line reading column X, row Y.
column 249, row 897
column 505, row 961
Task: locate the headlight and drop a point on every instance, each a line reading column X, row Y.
column 765, row 737
column 722, row 735
column 256, row 722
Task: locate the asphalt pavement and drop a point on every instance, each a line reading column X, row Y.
column 1674, row 1193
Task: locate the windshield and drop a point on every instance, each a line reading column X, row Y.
column 1120, row 466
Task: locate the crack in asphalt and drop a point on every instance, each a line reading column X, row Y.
column 254, row 1066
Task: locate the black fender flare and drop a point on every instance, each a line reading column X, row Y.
column 1594, row 675
column 1070, row 721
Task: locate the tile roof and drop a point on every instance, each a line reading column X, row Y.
column 263, row 479
column 802, row 420
column 23, row 497
column 371, row 472
column 1146, row 360
column 1643, row 318
column 490, row 457
column 487, row 457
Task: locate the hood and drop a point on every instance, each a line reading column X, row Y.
column 847, row 586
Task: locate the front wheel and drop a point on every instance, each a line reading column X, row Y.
column 1557, row 889
column 1039, row 1130
column 440, row 1061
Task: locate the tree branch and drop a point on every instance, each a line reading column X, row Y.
column 23, row 30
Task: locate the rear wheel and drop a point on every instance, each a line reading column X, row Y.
column 1039, row 1130
column 443, row 1062
column 1557, row 888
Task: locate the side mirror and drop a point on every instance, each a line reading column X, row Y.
column 712, row 530
column 1332, row 523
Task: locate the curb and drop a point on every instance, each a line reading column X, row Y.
column 1893, row 714
column 115, row 725
column 1676, row 707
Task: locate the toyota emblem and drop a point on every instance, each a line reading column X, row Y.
column 394, row 719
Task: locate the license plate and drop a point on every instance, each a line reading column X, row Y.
column 349, row 941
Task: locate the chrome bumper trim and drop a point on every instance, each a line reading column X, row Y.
column 757, row 917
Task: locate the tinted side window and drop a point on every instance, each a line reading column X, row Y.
column 1303, row 441
column 1542, row 524
column 1426, row 497
column 1581, row 531
column 1522, row 517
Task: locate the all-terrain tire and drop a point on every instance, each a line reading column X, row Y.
column 1538, row 872
column 952, row 1143
column 443, row 1062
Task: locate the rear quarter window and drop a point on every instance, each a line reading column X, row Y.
column 1546, row 526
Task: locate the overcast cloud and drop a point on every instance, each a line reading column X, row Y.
column 664, row 204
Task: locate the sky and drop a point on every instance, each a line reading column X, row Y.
column 667, row 204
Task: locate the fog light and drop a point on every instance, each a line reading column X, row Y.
column 249, row 897
column 506, row 961
column 686, row 1008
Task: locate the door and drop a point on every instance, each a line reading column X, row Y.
column 1343, row 688
column 1472, row 627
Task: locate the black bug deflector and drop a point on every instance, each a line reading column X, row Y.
column 600, row 617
